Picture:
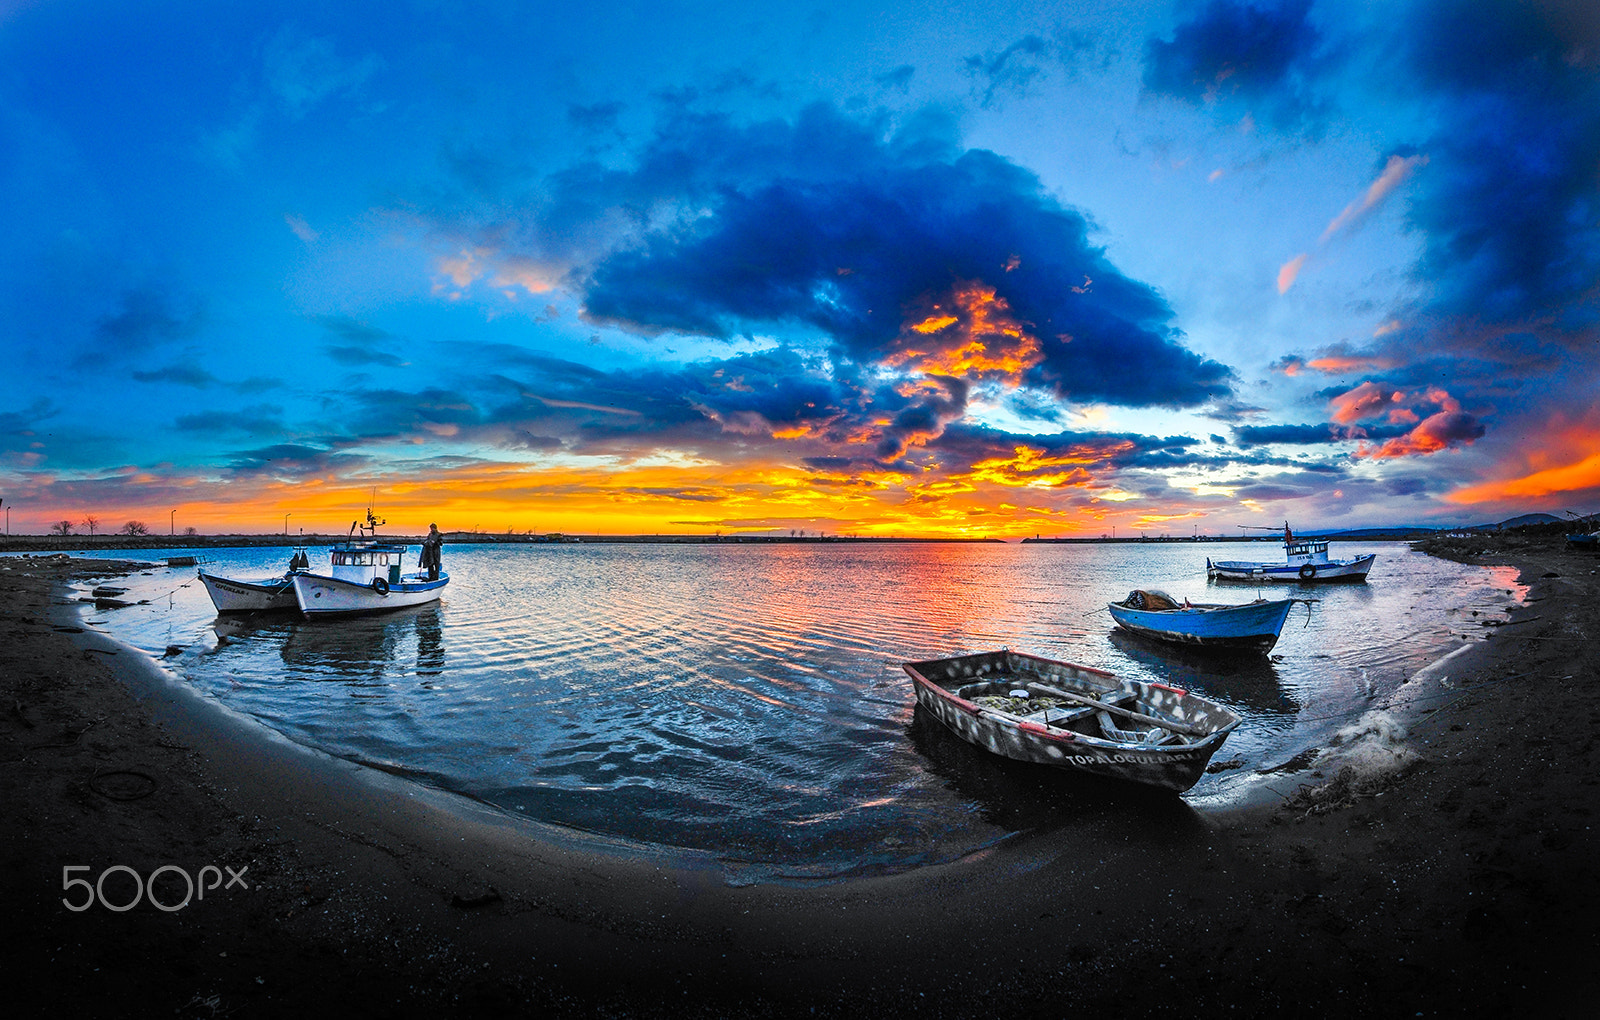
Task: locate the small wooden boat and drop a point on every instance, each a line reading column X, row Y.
column 1253, row 626
column 1075, row 717
column 364, row 576
column 1306, row 562
column 237, row 595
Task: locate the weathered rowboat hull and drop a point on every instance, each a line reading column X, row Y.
column 231, row 595
column 319, row 595
column 1253, row 627
column 1170, row 766
column 1303, row 573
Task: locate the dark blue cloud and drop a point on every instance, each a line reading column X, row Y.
column 1011, row 70
column 1509, row 204
column 822, row 223
column 596, row 116
column 898, row 79
column 291, row 460
column 260, row 419
column 23, row 422
column 1311, row 435
column 1260, row 55
column 182, row 375
column 146, row 318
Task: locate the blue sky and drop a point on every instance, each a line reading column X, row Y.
column 997, row 269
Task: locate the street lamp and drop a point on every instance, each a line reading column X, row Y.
column 172, row 523
column 286, row 524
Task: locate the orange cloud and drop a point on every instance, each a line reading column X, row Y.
column 1368, row 400
column 1287, row 274
column 978, row 338
column 1344, row 364
column 1446, row 427
column 1581, row 476
column 1394, row 174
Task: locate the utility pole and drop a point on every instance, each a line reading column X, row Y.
column 172, row 523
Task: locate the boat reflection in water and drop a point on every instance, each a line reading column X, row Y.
column 371, row 650
column 1249, row 682
column 1020, row 796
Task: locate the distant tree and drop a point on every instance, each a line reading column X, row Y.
column 62, row 528
column 190, row 532
column 133, row 528
column 91, row 522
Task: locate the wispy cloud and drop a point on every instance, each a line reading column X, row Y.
column 1395, row 172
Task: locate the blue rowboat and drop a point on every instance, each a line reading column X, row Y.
column 1253, row 626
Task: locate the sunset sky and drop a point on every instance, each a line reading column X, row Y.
column 987, row 269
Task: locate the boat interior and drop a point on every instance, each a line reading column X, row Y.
column 1018, row 698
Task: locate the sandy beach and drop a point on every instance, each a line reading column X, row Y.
column 1462, row 882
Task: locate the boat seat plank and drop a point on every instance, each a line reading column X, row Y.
column 1062, row 715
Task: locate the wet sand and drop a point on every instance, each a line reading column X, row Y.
column 1462, row 884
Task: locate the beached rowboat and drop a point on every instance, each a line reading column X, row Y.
column 237, row 595
column 1075, row 717
column 1252, row 626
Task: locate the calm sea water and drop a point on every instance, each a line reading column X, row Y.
column 748, row 701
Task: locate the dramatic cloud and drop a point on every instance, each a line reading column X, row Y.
column 1436, row 418
column 869, row 246
column 1510, row 209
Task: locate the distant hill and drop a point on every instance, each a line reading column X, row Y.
column 1527, row 519
column 1410, row 532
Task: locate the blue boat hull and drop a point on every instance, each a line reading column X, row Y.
column 1254, row 626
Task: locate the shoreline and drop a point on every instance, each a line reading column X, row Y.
column 1445, row 887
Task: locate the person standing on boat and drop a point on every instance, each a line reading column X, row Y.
column 431, row 547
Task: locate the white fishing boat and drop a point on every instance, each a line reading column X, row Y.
column 365, row 575
column 1306, row 562
column 252, row 595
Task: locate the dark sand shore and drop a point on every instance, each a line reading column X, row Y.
column 1462, row 885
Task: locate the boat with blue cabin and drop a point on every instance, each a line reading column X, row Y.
column 365, row 575
column 1253, row 626
column 1307, row 562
